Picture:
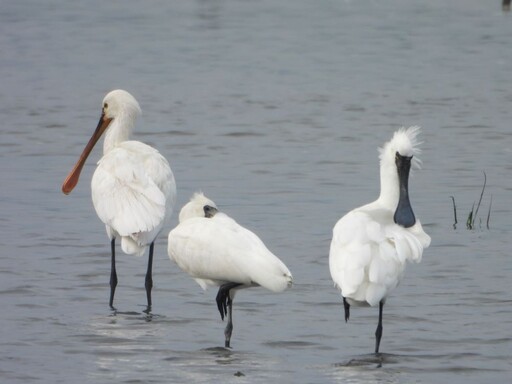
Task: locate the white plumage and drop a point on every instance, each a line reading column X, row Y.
column 133, row 192
column 133, row 187
column 372, row 243
column 217, row 251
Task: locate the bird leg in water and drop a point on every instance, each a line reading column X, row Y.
column 346, row 305
column 225, row 306
column 378, row 332
column 113, row 274
column 229, row 326
column 149, row 277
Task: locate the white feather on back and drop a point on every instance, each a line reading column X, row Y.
column 217, row 250
column 133, row 192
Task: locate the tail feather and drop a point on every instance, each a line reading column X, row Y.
column 130, row 247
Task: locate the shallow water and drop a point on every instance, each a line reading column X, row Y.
column 275, row 109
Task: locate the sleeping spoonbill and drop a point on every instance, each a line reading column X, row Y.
column 217, row 251
column 133, row 187
column 371, row 244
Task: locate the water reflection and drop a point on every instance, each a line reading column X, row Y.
column 358, row 375
column 371, row 368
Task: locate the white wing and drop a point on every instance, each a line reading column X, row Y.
column 133, row 191
column 367, row 258
column 217, row 250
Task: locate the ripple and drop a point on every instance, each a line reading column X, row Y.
column 240, row 134
column 291, row 344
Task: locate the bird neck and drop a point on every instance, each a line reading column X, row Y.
column 389, row 185
column 120, row 130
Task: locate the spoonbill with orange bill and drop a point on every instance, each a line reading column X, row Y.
column 133, row 187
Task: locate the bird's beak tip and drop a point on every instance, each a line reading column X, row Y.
column 66, row 188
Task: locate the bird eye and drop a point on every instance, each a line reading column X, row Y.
column 105, row 105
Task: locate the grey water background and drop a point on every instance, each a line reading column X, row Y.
column 274, row 109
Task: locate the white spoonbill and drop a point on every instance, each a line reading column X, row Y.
column 371, row 244
column 217, row 251
column 133, row 187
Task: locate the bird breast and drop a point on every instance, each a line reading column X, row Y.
column 369, row 251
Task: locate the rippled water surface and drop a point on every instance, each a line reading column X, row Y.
column 275, row 109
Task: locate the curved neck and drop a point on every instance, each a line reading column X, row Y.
column 120, row 130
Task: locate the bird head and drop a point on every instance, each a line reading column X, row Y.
column 118, row 105
column 198, row 206
column 405, row 144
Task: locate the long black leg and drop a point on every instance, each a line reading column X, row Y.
column 113, row 273
column 149, row 276
column 346, row 306
column 378, row 332
column 229, row 325
column 225, row 306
